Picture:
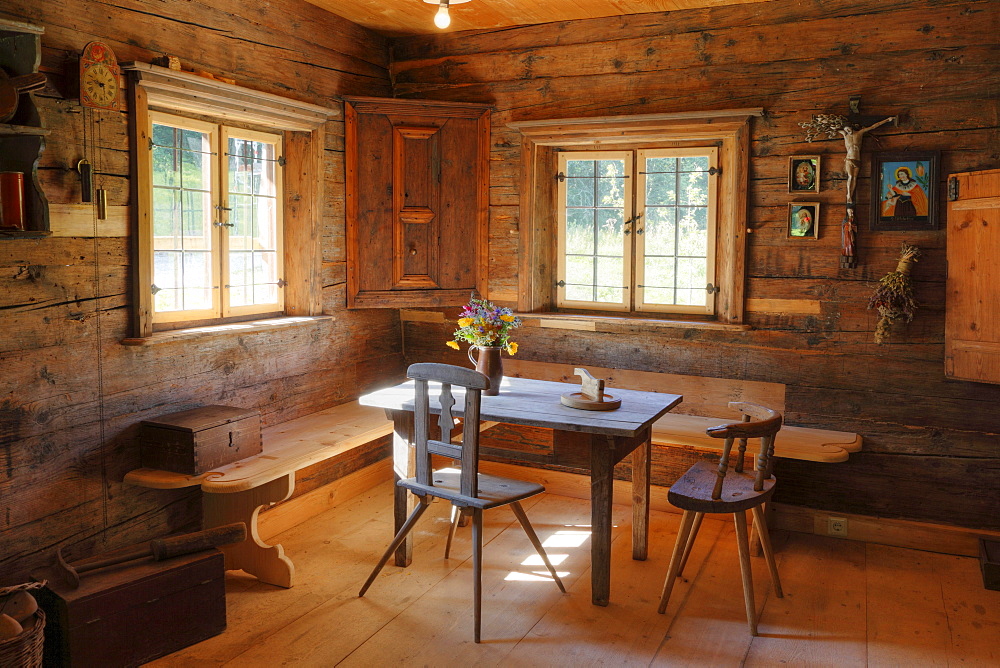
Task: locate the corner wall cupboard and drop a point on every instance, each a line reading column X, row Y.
column 972, row 320
column 417, row 201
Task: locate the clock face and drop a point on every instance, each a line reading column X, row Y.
column 100, row 85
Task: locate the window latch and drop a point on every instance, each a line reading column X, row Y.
column 218, row 224
column 712, row 289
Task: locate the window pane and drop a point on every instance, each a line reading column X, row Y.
column 241, row 217
column 166, row 166
column 580, row 270
column 197, row 281
column 580, row 192
column 660, row 231
column 691, row 281
column 692, row 231
column 166, row 219
column 693, row 188
column 659, row 273
column 197, row 217
column 167, row 270
column 580, row 293
column 661, row 189
column 661, row 165
column 610, row 231
column 580, row 167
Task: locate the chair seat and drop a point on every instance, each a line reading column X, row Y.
column 693, row 491
column 493, row 490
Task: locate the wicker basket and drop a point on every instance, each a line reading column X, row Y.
column 25, row 649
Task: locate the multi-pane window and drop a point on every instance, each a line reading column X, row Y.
column 216, row 220
column 637, row 230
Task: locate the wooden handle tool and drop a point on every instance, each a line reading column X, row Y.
column 159, row 549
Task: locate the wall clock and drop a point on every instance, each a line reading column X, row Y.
column 99, row 77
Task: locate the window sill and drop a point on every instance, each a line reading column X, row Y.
column 597, row 323
column 249, row 327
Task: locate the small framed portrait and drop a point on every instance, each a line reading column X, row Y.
column 803, row 220
column 905, row 191
column 803, row 174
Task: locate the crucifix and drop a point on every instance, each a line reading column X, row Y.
column 853, row 129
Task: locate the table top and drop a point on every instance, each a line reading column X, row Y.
column 536, row 403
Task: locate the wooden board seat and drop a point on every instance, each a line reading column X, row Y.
column 493, row 490
column 237, row 492
column 815, row 445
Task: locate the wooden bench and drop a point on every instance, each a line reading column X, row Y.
column 238, row 491
column 705, row 405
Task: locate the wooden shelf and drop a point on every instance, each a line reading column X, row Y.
column 8, row 130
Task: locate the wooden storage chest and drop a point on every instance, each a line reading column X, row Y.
column 132, row 613
column 198, row 440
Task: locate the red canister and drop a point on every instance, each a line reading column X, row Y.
column 12, row 200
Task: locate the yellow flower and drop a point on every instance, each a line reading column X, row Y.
column 511, row 348
column 464, row 322
column 452, row 344
column 507, row 318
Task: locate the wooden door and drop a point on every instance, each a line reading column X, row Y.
column 417, row 201
column 972, row 315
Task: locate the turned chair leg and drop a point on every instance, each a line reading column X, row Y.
column 456, row 516
column 698, row 517
column 687, row 519
column 743, row 543
column 397, row 541
column 533, row 537
column 765, row 543
column 477, row 567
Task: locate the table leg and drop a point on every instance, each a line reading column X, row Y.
column 404, row 466
column 602, row 466
column 267, row 562
column 640, row 501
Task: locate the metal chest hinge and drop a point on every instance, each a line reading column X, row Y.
column 952, row 188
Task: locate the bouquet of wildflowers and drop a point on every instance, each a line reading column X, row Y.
column 482, row 324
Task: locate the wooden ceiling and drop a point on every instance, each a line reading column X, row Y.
column 414, row 17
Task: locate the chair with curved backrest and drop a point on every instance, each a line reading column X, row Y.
column 707, row 488
column 466, row 488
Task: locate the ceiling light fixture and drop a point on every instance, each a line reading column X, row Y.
column 442, row 19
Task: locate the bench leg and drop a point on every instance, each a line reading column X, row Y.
column 267, row 562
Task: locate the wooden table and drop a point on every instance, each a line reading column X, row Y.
column 596, row 440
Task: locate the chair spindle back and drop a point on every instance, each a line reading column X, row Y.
column 758, row 422
column 468, row 451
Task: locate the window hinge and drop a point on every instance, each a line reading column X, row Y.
column 560, row 177
column 151, row 144
column 561, row 284
column 712, row 171
column 282, row 282
column 952, row 188
column 281, row 160
column 712, row 289
column 153, row 289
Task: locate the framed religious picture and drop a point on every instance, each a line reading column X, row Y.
column 803, row 220
column 905, row 191
column 803, row 174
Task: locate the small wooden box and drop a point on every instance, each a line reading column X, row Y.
column 989, row 561
column 200, row 439
column 129, row 614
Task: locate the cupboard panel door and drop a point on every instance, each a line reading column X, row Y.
column 417, row 201
column 972, row 319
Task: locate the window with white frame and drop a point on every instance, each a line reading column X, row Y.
column 637, row 229
column 216, row 220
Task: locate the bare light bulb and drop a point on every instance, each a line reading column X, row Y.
column 442, row 19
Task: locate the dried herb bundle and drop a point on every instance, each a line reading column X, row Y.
column 893, row 297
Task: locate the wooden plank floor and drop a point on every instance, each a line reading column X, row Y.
column 846, row 603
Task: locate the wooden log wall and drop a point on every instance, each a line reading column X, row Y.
column 932, row 446
column 70, row 394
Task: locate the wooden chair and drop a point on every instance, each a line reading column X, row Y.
column 466, row 488
column 706, row 488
